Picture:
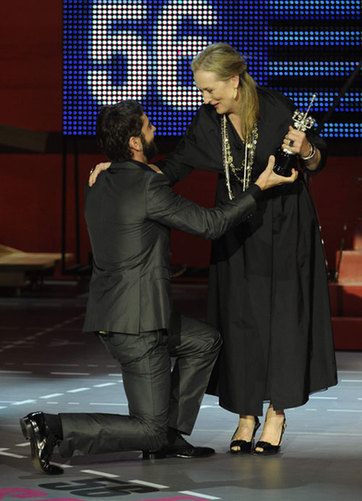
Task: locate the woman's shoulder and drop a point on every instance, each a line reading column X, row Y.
column 204, row 122
column 272, row 98
column 275, row 107
column 207, row 113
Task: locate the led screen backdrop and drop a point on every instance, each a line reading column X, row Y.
column 121, row 49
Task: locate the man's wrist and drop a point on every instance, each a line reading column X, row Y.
column 256, row 192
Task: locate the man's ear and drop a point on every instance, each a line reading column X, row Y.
column 135, row 143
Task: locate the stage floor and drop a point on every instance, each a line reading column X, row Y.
column 48, row 364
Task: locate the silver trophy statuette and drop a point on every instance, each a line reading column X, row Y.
column 302, row 121
column 286, row 160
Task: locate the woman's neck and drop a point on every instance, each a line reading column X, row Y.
column 235, row 118
column 235, row 110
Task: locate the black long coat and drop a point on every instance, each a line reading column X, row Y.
column 268, row 292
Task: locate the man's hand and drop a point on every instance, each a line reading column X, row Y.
column 268, row 178
column 94, row 173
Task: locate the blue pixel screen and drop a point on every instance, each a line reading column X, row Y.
column 139, row 49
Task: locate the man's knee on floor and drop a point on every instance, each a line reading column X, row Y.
column 156, row 435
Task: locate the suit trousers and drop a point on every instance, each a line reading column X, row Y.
column 158, row 396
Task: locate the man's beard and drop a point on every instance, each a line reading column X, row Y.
column 149, row 149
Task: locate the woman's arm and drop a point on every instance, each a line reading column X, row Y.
column 199, row 148
column 311, row 149
column 175, row 167
column 94, row 173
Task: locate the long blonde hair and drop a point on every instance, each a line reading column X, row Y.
column 225, row 61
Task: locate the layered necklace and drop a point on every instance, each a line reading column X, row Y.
column 228, row 160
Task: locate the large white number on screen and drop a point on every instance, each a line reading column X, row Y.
column 170, row 49
column 106, row 43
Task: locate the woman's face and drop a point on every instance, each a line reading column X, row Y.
column 218, row 93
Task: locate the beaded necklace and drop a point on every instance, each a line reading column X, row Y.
column 228, row 160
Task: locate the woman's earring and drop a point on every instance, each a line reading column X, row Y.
column 235, row 93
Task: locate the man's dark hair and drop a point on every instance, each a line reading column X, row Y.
column 115, row 125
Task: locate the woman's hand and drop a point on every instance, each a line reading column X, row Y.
column 268, row 178
column 296, row 142
column 94, row 173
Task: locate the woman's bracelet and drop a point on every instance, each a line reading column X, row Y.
column 311, row 154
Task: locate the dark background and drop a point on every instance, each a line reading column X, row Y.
column 31, row 183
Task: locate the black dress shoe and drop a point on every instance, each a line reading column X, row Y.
column 35, row 429
column 180, row 448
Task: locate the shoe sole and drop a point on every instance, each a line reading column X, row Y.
column 25, row 427
column 240, row 451
column 28, row 432
column 266, row 452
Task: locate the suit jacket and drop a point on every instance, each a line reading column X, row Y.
column 129, row 212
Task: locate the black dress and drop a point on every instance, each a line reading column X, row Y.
column 268, row 292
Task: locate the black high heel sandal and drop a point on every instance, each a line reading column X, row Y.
column 245, row 447
column 268, row 448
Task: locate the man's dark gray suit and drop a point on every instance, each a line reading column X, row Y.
column 129, row 213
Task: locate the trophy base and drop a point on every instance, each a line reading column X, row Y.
column 285, row 161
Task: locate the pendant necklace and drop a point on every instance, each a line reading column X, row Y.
column 228, row 160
